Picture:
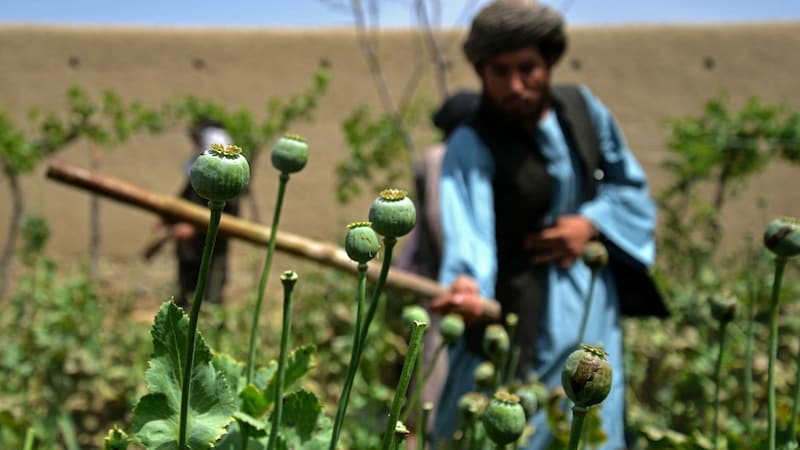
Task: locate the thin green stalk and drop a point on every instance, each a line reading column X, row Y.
column 717, row 372
column 199, row 291
column 416, row 402
column 780, row 264
column 425, row 376
column 589, row 298
column 793, row 422
column 436, row 355
column 30, row 436
column 362, row 297
column 748, row 368
column 512, row 358
column 388, row 245
column 360, row 337
column 288, row 279
column 422, row 426
column 262, row 285
column 341, row 409
column 578, row 414
column 405, row 378
column 399, row 444
column 472, row 431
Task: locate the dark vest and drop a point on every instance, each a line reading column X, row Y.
column 522, row 191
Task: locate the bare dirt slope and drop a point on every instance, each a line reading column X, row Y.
column 644, row 74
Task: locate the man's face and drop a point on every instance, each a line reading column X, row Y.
column 517, row 81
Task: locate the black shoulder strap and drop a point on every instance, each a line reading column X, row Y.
column 573, row 114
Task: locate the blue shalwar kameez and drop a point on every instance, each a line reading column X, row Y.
column 621, row 210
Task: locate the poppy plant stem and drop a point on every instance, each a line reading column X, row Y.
column 360, row 334
column 288, row 279
column 780, row 264
column 414, row 346
column 262, row 285
column 216, row 208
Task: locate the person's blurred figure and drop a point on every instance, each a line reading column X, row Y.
column 423, row 251
column 189, row 240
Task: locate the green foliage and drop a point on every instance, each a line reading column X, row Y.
column 670, row 363
column 722, row 149
column 378, row 150
column 17, row 154
column 251, row 134
column 34, row 232
column 67, row 373
column 211, row 402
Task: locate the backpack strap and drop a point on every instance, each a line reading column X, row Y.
column 576, row 122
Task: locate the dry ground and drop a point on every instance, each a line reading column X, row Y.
column 644, row 74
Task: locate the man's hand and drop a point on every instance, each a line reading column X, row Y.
column 182, row 231
column 562, row 243
column 463, row 298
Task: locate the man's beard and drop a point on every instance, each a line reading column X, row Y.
column 526, row 114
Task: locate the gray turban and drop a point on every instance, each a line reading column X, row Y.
column 506, row 25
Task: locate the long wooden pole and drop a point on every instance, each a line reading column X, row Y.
column 176, row 209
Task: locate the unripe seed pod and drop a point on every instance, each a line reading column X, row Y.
column 116, row 440
column 220, row 173
column 393, row 214
column 595, row 256
column 495, row 341
column 471, row 406
column 361, row 242
column 504, row 419
column 724, row 307
column 289, row 278
column 528, row 399
column 400, row 431
column 451, row 327
column 512, row 319
column 586, row 377
column 484, row 375
column 782, row 237
column 290, row 154
column 415, row 313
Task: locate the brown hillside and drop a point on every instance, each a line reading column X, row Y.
column 644, row 74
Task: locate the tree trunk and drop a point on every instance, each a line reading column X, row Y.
column 17, row 207
column 95, row 232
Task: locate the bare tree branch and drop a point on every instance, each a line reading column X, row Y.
column 439, row 60
column 370, row 51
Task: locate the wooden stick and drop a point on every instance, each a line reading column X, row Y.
column 174, row 209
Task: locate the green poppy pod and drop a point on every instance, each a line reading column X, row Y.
column 484, row 375
column 724, row 307
column 586, row 377
column 496, row 342
column 415, row 313
column 290, row 154
column 361, row 242
column 471, row 406
column 782, row 237
column 451, row 327
column 595, row 255
column 504, row 418
column 221, row 173
column 528, row 399
column 393, row 214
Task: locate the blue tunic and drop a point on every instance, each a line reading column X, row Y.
column 622, row 211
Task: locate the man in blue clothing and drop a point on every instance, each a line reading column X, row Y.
column 519, row 203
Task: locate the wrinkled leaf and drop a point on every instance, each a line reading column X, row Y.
column 303, row 426
column 299, row 363
column 211, row 405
